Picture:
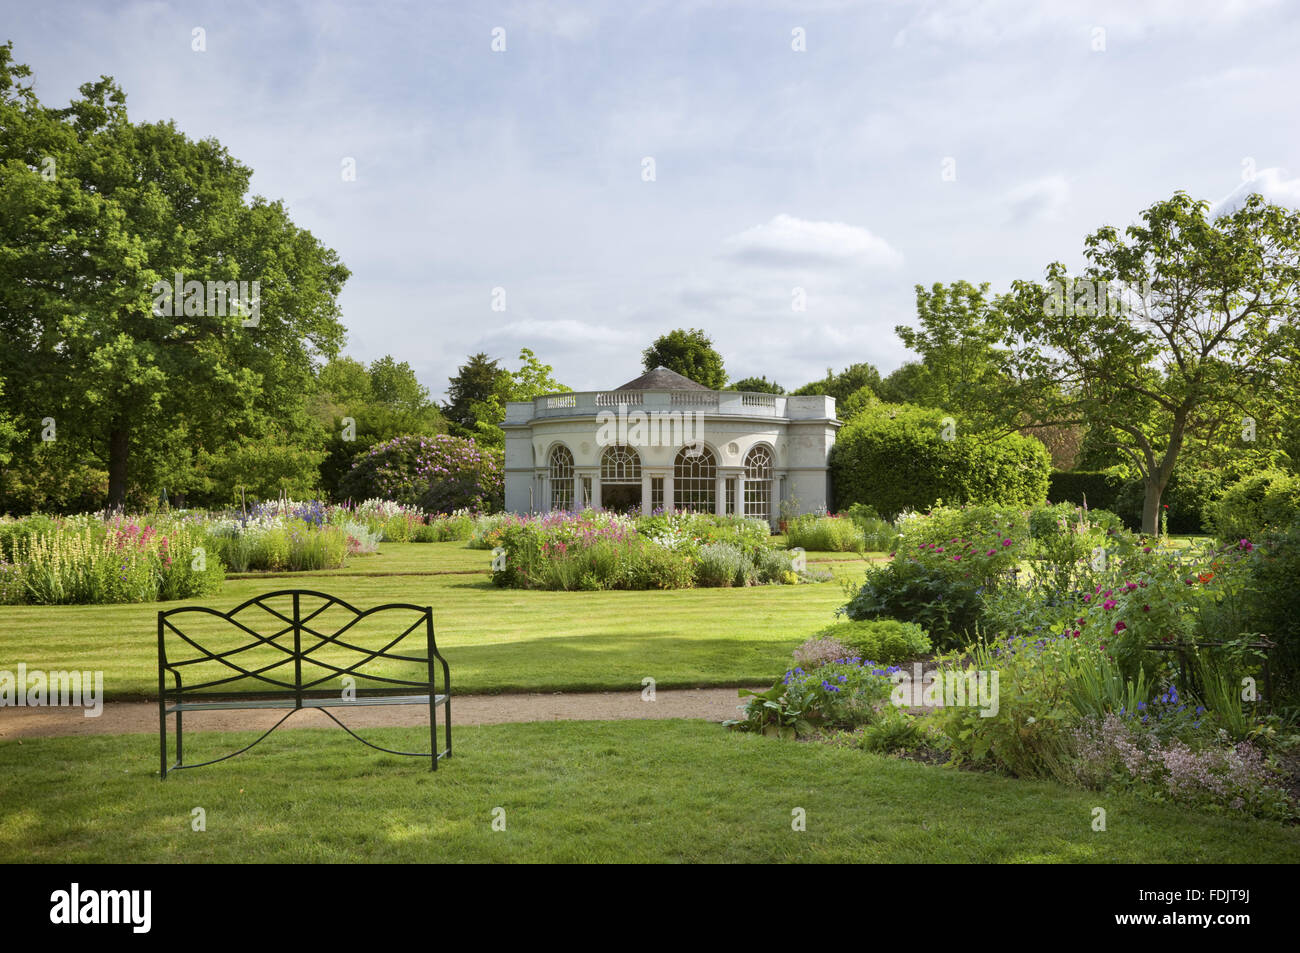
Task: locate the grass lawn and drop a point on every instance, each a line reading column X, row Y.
column 494, row 639
column 574, row 791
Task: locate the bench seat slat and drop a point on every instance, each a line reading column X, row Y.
column 306, row 703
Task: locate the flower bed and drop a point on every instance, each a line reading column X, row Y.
column 87, row 560
column 1119, row 663
column 601, row 550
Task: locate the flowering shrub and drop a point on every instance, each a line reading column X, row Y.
column 439, row 474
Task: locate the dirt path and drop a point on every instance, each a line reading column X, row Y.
column 124, row 718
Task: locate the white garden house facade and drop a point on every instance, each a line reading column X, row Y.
column 663, row 441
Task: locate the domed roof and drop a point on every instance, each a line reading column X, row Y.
column 662, row 379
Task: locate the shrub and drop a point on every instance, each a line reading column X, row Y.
column 895, row 458
column 944, row 605
column 439, row 473
column 878, row 535
column 887, row 641
column 819, row 650
column 825, row 534
column 722, row 564
column 1275, row 571
column 1264, row 502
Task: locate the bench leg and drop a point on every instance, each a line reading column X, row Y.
column 447, row 706
column 162, row 741
column 433, row 731
column 180, row 758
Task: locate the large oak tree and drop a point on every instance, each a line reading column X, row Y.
column 94, row 210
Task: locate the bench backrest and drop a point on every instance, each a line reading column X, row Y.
column 293, row 642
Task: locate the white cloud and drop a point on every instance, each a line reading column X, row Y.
column 1039, row 200
column 794, row 242
column 1268, row 183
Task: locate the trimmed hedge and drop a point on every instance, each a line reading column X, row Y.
column 901, row 462
column 1099, row 487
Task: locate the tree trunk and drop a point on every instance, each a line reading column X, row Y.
column 117, row 452
column 1151, row 504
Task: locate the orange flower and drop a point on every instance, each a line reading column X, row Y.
column 1205, row 576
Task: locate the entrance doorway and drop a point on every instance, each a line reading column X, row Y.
column 621, row 497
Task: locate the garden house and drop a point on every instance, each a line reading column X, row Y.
column 663, row 441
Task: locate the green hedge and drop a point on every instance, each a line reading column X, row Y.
column 1263, row 502
column 1100, row 488
column 1188, row 496
column 901, row 462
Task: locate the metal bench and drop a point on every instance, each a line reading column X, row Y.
column 290, row 667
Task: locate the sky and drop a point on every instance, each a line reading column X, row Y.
column 580, row 177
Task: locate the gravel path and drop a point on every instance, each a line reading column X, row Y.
column 123, row 718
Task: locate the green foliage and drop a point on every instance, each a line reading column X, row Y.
column 841, row 386
column 879, row 535
column 896, row 458
column 961, row 370
column 722, row 564
column 440, row 473
column 1176, row 324
column 689, row 353
column 477, row 383
column 1276, row 604
column 893, row 731
column 136, row 381
column 601, row 550
column 756, row 385
column 825, row 534
column 840, row 693
column 85, row 560
column 945, row 605
column 1097, row 488
column 1261, row 503
column 884, row 641
column 261, row 468
column 945, row 561
column 1185, row 503
column 356, row 407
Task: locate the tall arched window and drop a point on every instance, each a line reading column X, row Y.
column 561, row 473
column 758, row 482
column 695, row 483
column 620, row 465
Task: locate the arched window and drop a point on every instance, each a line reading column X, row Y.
column 758, row 482
column 620, row 465
column 695, row 483
column 561, row 478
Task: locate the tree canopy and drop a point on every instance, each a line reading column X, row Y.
column 689, row 353
column 1181, row 326
column 122, row 249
